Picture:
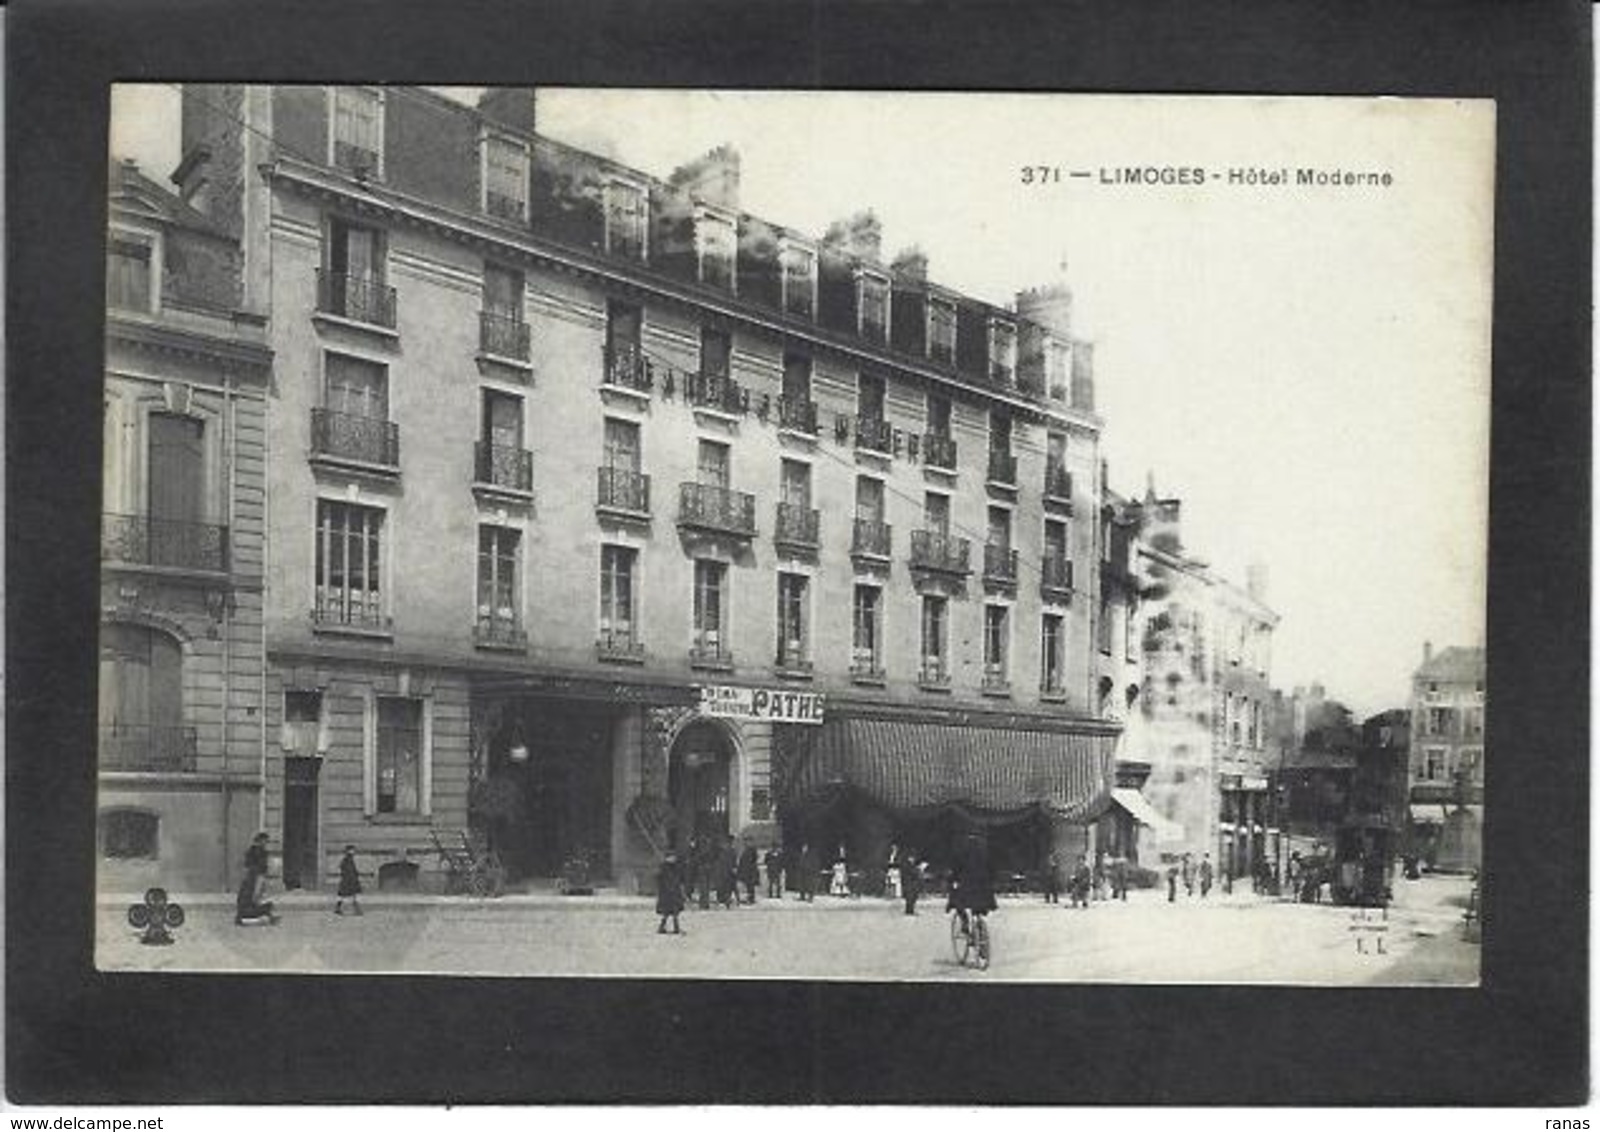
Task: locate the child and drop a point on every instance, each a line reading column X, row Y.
column 349, row 883
column 669, row 894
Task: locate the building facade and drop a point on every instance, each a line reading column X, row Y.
column 1447, row 756
column 181, row 724
column 604, row 513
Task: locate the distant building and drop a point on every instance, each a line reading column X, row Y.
column 1447, row 756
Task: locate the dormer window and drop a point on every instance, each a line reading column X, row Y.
column 1058, row 367
column 505, row 178
column 799, row 279
column 941, row 330
column 356, row 139
column 627, row 220
column 1002, row 352
column 872, row 305
column 133, row 272
column 715, row 240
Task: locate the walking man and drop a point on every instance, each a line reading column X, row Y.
column 749, row 872
column 774, row 863
column 1205, row 876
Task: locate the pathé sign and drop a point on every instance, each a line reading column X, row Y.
column 777, row 705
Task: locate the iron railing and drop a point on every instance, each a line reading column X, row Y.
column 499, row 631
column 939, row 450
column 793, row 661
column 1002, row 467
column 710, row 654
column 146, row 541
column 359, row 297
column 999, row 564
column 716, row 391
column 874, row 433
column 797, row 525
column 715, row 508
column 871, row 537
column 622, row 489
column 1053, row 685
column 995, row 678
column 933, row 672
column 1055, row 575
column 867, row 669
column 941, row 552
column 337, row 608
column 619, row 645
column 797, row 415
column 148, row 747
column 504, row 335
column 500, row 466
column 504, row 206
column 351, row 437
column 626, row 366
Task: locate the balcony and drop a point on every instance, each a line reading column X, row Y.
column 792, row 662
column 508, row 469
column 504, row 207
column 797, row 414
column 626, row 368
column 716, row 392
column 143, row 541
column 355, row 611
column 499, row 631
column 504, row 336
column 867, row 669
column 1055, row 577
column 1053, row 687
column 362, row 440
column 147, row 747
column 871, row 539
column 353, row 158
column 874, row 434
column 996, row 682
column 708, row 507
column 1058, row 486
column 359, row 298
column 940, row 553
column 999, row 566
column 710, row 654
column 619, row 646
column 933, row 674
column 1002, row 469
column 939, row 451
column 797, row 527
column 623, row 492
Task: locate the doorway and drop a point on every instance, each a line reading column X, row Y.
column 300, row 823
column 700, row 781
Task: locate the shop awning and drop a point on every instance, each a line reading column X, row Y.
column 919, row 765
column 1140, row 809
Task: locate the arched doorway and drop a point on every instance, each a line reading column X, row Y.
column 700, row 780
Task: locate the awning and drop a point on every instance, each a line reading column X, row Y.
column 1425, row 813
column 918, row 765
column 1140, row 809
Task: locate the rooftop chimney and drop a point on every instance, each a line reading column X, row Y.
column 911, row 265
column 1427, row 651
column 511, row 106
column 860, row 236
column 712, row 177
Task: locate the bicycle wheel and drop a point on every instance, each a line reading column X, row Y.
column 981, row 943
column 960, row 940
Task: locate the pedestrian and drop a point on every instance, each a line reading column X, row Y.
column 749, row 872
column 1172, row 884
column 669, row 893
column 1295, row 869
column 1052, row 878
column 841, row 876
column 971, row 886
column 1206, row 874
column 806, row 884
column 910, row 880
column 891, row 875
column 1100, row 876
column 251, row 905
column 774, row 863
column 349, row 883
column 1187, row 871
column 1082, row 879
column 726, row 872
column 702, row 853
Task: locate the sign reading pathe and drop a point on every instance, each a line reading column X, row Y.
column 776, row 704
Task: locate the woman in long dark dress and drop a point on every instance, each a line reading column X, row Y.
column 251, row 904
column 669, row 894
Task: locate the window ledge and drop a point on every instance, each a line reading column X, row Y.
column 1052, row 695
column 400, row 819
column 521, row 365
column 332, row 629
column 377, row 330
column 633, row 398
column 501, row 492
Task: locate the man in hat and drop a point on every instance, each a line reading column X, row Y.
column 669, row 893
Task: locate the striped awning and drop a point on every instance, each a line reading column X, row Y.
column 1140, row 809
column 917, row 765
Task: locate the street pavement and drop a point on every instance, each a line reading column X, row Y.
column 1226, row 938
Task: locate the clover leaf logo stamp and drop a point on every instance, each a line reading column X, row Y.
column 156, row 917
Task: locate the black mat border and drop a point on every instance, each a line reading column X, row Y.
column 74, row 1035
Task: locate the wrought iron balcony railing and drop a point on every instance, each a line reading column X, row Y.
column 871, row 538
column 1002, row 467
column 867, row 669
column 1052, row 686
column 361, row 298
column 797, row 526
column 353, row 158
column 1056, row 575
column 934, row 672
column 716, row 391
column 147, row 747
column 626, row 366
column 499, row 630
column 504, row 335
column 792, row 660
column 620, row 645
column 363, row 610
column 346, row 436
column 499, row 466
column 797, row 415
column 622, row 489
column 1057, row 482
column 999, row 564
column 875, row 434
column 145, row 541
column 715, row 508
column 503, row 206
column 940, row 552
column 995, row 678
column 939, row 450
column 710, row 654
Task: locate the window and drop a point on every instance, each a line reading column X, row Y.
column 616, row 595
column 795, row 483
column 1102, row 626
column 623, row 326
column 799, row 266
column 1058, row 365
column 399, row 756
column 1440, row 721
column 1470, row 765
column 1000, row 527
column 716, row 352
column 141, row 700
column 1000, row 433
column 627, row 220
column 349, row 589
column 498, row 596
column 870, row 396
column 354, row 286
column 129, row 274
column 936, row 512
column 1052, row 650
column 712, row 463
column 935, row 637
column 1002, row 352
column 872, row 291
column 710, row 580
column 865, row 630
column 938, row 415
column 716, row 241
column 130, row 835
column 502, row 292
column 505, row 178
column 796, row 377
column 304, row 733
column 941, row 330
column 1130, row 632
column 793, row 651
column 622, row 445
column 1056, row 482
column 502, row 423
column 1055, row 539
column 1434, row 767
column 1472, row 723
column 176, row 489
column 357, row 388
column 996, row 642
column 869, row 499
column 358, row 130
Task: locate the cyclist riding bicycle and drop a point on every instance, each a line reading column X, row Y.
column 971, row 888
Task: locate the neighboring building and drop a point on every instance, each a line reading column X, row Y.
column 1447, row 756
column 181, row 730
column 1208, row 702
column 1319, row 760
column 590, row 492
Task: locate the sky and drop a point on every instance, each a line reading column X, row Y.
column 1305, row 367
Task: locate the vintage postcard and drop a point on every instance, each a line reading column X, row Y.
column 799, row 535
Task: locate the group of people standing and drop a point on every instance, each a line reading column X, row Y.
column 1186, row 870
column 1107, row 880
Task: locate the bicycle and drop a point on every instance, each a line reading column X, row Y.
column 970, row 940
